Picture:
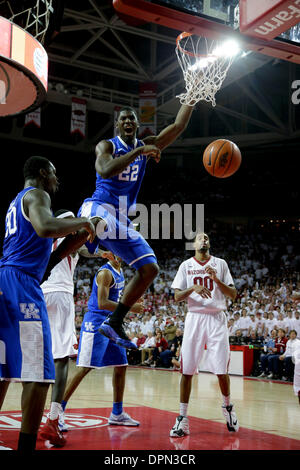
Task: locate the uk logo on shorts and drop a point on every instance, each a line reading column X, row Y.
column 29, row 311
column 88, row 325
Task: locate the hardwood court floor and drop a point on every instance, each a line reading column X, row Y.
column 268, row 412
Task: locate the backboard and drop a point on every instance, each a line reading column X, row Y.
column 270, row 27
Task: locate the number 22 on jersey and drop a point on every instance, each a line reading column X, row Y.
column 130, row 173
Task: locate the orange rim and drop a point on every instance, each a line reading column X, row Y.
column 184, row 51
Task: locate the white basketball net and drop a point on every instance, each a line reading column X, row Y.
column 34, row 19
column 204, row 64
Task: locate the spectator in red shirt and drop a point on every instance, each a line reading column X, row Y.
column 278, row 350
column 161, row 344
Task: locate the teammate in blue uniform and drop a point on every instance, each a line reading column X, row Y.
column 120, row 166
column 25, row 339
column 95, row 350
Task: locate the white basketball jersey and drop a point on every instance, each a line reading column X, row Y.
column 61, row 277
column 192, row 272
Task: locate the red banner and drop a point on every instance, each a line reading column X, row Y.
column 78, row 118
column 33, row 118
column 147, row 109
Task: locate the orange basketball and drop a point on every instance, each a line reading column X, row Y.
column 222, row 158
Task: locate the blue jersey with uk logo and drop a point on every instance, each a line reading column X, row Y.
column 115, row 291
column 126, row 184
column 23, row 248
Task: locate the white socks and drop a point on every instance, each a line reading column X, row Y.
column 183, row 409
column 226, row 400
column 55, row 408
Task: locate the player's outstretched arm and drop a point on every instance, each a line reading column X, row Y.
column 107, row 166
column 168, row 135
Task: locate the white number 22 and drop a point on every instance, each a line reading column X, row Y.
column 130, row 173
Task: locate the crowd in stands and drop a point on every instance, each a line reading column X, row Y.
column 265, row 268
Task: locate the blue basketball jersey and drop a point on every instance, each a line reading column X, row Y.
column 126, row 184
column 115, row 290
column 22, row 247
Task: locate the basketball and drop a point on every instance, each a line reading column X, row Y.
column 222, row 158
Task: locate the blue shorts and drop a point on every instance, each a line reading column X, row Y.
column 95, row 350
column 119, row 237
column 25, row 336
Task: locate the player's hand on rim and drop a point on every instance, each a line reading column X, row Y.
column 203, row 291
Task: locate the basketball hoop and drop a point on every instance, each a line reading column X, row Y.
column 204, row 64
column 31, row 15
column 23, row 59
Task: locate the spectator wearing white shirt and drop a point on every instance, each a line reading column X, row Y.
column 147, row 348
column 144, row 327
column 252, row 324
column 271, row 322
column 260, row 324
column 276, row 311
column 236, row 317
column 295, row 323
column 292, row 344
column 244, row 322
column 231, row 327
column 288, row 319
column 280, row 322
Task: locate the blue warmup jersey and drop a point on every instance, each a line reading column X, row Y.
column 126, row 184
column 22, row 247
column 25, row 336
column 95, row 350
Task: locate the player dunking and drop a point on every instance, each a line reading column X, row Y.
column 95, row 350
column 120, row 166
column 25, row 339
column 205, row 281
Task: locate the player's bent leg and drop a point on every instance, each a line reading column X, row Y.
column 69, row 390
column 112, row 328
column 138, row 285
column 81, row 372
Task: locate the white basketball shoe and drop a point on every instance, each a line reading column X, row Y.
column 181, row 427
column 231, row 418
column 122, row 419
